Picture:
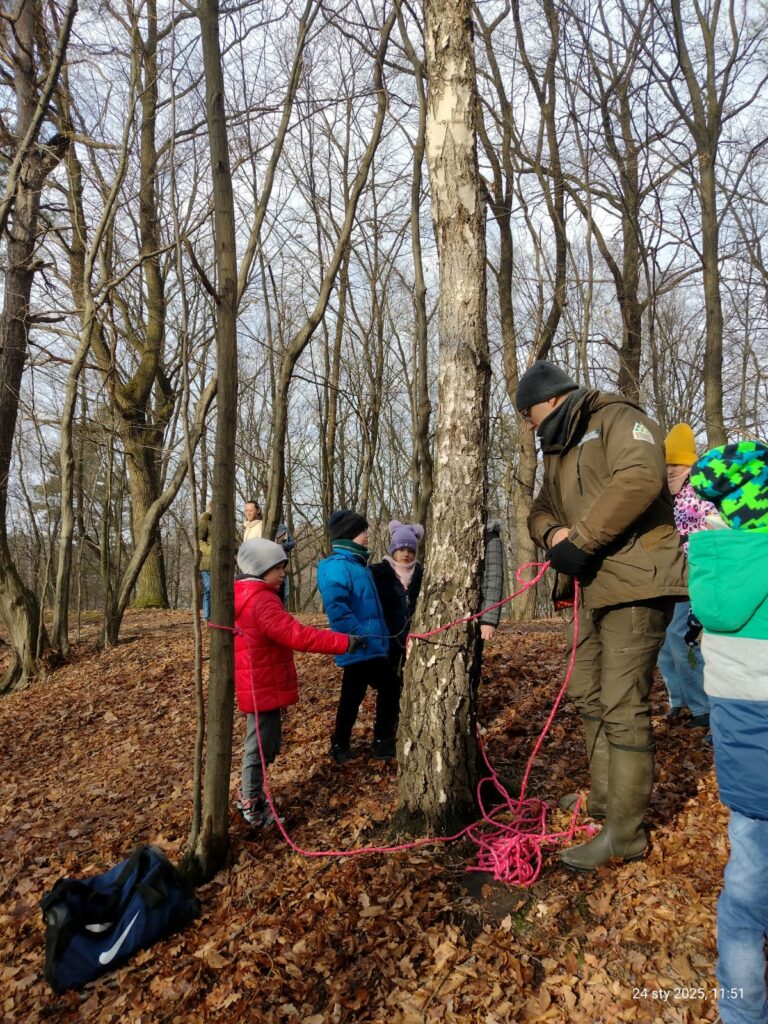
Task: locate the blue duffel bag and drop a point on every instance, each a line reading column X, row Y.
column 95, row 924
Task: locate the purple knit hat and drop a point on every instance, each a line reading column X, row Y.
column 404, row 535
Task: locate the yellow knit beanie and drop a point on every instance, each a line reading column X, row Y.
column 680, row 446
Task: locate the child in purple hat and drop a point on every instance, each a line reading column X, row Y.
column 398, row 581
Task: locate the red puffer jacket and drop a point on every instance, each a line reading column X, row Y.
column 264, row 651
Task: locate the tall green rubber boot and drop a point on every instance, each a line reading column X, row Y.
column 630, row 781
column 597, row 752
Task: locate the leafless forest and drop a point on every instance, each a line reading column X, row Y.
column 621, row 155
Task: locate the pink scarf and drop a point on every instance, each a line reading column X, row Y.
column 403, row 572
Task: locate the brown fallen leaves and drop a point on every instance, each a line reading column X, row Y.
column 98, row 757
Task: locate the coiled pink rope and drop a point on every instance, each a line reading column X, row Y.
column 512, row 851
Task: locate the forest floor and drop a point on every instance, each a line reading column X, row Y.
column 97, row 758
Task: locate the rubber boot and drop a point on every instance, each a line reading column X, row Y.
column 630, row 780
column 597, row 752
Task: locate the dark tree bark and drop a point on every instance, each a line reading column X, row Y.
column 19, row 606
column 207, row 849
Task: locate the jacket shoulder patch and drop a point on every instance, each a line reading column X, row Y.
column 641, row 433
column 593, row 435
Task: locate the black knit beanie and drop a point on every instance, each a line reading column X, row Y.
column 541, row 381
column 345, row 524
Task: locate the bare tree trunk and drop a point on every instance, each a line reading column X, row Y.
column 329, row 446
column 143, row 541
column 710, row 91
column 60, row 627
column 545, row 90
column 143, row 433
column 143, row 445
column 436, row 741
column 139, row 391
column 82, row 255
column 276, row 480
column 422, row 469
column 713, row 353
column 18, row 605
column 501, row 201
column 207, row 850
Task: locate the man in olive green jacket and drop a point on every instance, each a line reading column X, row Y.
column 604, row 513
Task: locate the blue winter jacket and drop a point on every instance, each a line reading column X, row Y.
column 729, row 595
column 352, row 603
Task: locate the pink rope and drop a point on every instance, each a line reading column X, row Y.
column 526, row 585
column 512, row 851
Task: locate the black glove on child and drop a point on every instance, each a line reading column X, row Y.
column 565, row 557
column 356, row 643
column 694, row 630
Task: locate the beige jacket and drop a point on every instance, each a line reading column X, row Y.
column 252, row 530
column 204, row 536
column 608, row 486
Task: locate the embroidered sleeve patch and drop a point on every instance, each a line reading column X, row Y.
column 641, row 433
column 593, row 435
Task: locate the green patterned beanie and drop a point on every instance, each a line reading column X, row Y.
column 734, row 477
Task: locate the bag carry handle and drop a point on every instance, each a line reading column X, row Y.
column 130, row 865
column 96, row 905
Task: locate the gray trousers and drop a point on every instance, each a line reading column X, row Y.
column 270, row 730
column 612, row 675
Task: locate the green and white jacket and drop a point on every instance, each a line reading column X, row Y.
column 729, row 595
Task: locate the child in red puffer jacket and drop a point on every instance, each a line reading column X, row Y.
column 265, row 676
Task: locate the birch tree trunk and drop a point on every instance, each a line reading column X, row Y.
column 436, row 741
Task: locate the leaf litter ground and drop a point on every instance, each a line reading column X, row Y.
column 98, row 757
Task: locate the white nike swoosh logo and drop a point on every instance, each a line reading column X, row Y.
column 109, row 954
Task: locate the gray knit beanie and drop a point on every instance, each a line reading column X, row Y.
column 256, row 557
column 541, row 381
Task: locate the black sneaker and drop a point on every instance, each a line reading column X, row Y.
column 699, row 722
column 383, row 750
column 339, row 753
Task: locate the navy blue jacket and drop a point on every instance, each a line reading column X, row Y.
column 352, row 603
column 397, row 602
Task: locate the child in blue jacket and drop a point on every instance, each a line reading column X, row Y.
column 350, row 598
column 729, row 595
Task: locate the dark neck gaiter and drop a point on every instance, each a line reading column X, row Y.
column 553, row 432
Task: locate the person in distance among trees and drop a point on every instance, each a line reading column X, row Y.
column 680, row 663
column 252, row 523
column 204, row 540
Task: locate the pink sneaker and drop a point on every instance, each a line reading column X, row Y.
column 256, row 813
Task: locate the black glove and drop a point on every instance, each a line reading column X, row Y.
column 694, row 630
column 356, row 642
column 565, row 557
